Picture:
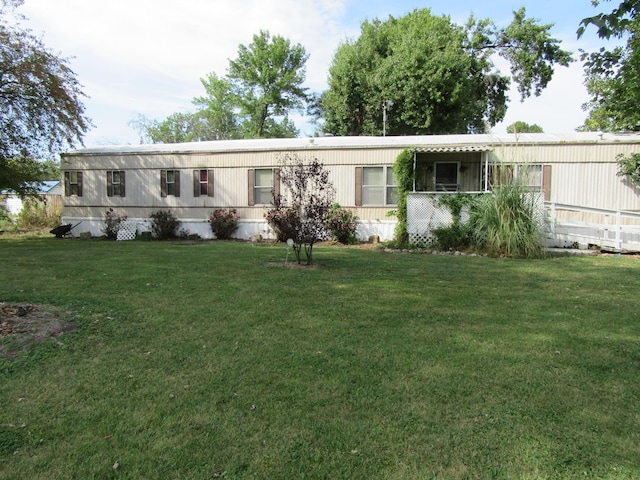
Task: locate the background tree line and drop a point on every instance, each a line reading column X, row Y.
column 436, row 76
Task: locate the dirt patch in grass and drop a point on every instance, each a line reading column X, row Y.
column 26, row 324
column 293, row 264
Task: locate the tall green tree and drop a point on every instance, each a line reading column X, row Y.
column 612, row 75
column 267, row 77
column 262, row 88
column 434, row 76
column 524, row 127
column 41, row 112
column 216, row 116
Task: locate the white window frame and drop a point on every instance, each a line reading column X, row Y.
column 386, row 187
column 116, row 187
column 204, row 185
column 73, row 183
column 170, row 185
column 259, row 190
column 525, row 169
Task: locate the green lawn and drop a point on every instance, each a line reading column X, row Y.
column 213, row 360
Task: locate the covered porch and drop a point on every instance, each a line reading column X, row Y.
column 452, row 169
column 470, row 170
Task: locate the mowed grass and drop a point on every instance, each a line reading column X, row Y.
column 214, row 360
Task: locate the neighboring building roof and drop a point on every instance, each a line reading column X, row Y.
column 480, row 142
column 43, row 187
column 48, row 185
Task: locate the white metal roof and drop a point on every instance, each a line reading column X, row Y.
column 432, row 143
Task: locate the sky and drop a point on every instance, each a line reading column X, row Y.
column 146, row 57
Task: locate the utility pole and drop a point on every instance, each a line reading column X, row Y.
column 385, row 105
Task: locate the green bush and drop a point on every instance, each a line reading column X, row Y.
column 454, row 237
column 629, row 166
column 36, row 213
column 458, row 235
column 403, row 169
column 343, row 224
column 224, row 222
column 164, row 225
column 5, row 219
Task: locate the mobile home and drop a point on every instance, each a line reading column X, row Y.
column 192, row 179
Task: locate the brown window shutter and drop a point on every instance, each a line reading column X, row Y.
column 251, row 175
column 210, row 183
column 176, row 178
column 546, row 182
column 276, row 183
column 196, row 183
column 122, row 184
column 163, row 183
column 109, row 184
column 79, row 184
column 67, row 184
column 358, row 186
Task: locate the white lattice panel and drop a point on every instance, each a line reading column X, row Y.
column 423, row 215
column 127, row 230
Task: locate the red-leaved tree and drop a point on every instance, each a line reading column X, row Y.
column 300, row 213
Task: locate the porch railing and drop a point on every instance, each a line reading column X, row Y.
column 617, row 230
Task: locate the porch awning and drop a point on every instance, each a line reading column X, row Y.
column 454, row 149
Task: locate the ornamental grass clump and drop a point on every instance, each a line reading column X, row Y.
column 507, row 222
column 224, row 222
column 343, row 224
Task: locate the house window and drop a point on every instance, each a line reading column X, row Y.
column 376, row 186
column 115, row 183
column 446, row 176
column 73, row 183
column 170, row 183
column 203, row 183
column 530, row 177
column 535, row 178
column 264, row 184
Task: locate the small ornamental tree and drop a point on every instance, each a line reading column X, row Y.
column 301, row 213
